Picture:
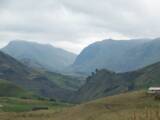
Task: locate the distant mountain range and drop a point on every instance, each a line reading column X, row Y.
column 114, row 55
column 106, row 83
column 37, row 55
column 118, row 55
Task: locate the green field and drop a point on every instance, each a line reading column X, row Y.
column 11, row 104
column 129, row 106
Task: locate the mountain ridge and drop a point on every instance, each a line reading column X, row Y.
column 118, row 55
column 38, row 55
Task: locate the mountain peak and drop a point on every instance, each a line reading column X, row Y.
column 118, row 55
column 37, row 54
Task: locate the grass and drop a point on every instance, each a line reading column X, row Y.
column 65, row 81
column 146, row 115
column 9, row 89
column 129, row 106
column 10, row 104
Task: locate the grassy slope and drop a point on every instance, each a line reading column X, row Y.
column 12, row 104
column 9, row 89
column 119, row 107
column 130, row 106
column 65, row 81
column 29, row 79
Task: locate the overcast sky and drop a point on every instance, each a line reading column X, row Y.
column 73, row 24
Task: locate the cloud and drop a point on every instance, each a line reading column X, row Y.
column 77, row 23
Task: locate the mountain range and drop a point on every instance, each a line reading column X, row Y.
column 37, row 55
column 118, row 55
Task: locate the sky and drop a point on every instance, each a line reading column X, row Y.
column 74, row 24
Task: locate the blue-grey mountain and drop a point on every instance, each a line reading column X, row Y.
column 39, row 55
column 118, row 56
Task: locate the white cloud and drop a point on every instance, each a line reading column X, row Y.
column 73, row 24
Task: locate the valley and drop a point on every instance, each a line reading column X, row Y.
column 79, row 60
column 39, row 82
column 29, row 92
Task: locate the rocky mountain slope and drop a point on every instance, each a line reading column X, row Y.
column 105, row 83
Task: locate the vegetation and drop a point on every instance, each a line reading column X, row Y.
column 29, row 94
column 105, row 83
column 65, row 81
column 35, row 81
column 12, row 104
column 130, row 106
column 9, row 89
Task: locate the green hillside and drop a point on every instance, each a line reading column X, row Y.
column 106, row 83
column 10, row 90
column 65, row 81
column 31, row 80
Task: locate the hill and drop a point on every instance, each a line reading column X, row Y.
column 135, row 105
column 118, row 55
column 105, row 83
column 65, row 81
column 38, row 55
column 130, row 106
column 8, row 89
column 31, row 80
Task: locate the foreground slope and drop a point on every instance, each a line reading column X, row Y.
column 118, row 55
column 129, row 106
column 105, row 83
column 39, row 55
column 119, row 107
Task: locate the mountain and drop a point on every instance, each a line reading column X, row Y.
column 118, row 55
column 30, row 80
column 106, row 83
column 38, row 55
